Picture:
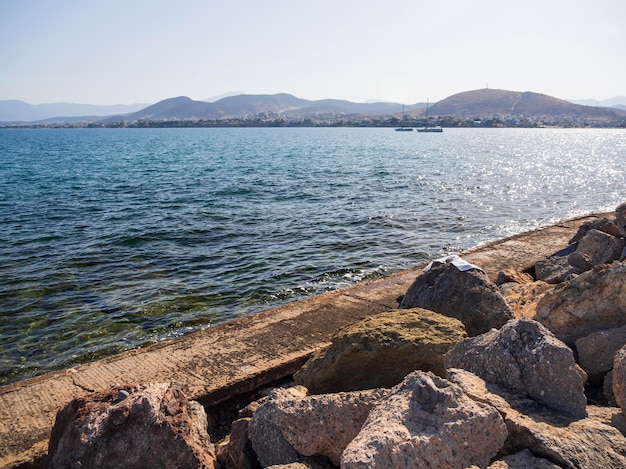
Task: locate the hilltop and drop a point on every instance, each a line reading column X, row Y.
column 489, row 103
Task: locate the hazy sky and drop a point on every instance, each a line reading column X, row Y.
column 142, row 51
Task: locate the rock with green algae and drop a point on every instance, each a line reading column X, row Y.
column 381, row 350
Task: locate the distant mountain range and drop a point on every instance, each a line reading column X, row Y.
column 19, row 111
column 476, row 104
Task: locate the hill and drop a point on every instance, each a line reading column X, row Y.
column 488, row 103
column 246, row 105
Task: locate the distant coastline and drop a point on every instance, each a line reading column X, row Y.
column 478, row 108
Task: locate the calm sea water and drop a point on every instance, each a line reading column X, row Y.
column 115, row 238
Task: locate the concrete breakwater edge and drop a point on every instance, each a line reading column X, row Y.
column 241, row 356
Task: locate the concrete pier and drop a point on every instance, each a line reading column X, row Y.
column 241, row 355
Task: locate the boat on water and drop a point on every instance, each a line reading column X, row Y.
column 436, row 128
column 402, row 128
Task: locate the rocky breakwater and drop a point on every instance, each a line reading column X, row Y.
column 528, row 370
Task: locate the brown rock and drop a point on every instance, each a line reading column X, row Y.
column 587, row 443
column 527, row 359
column 468, row 296
column 132, row 427
column 426, row 421
column 523, row 298
column 593, row 301
column 381, row 350
column 513, row 276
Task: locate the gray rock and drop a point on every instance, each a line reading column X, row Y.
column 557, row 269
column 619, row 378
column 526, row 358
column 523, row 460
column 600, row 247
column 468, row 296
column 620, row 216
column 237, row 452
column 426, row 421
column 593, row 301
column 602, row 224
column 268, row 442
column 154, row 426
column 586, row 443
column 607, row 390
column 379, row 351
column 596, row 351
column 286, row 428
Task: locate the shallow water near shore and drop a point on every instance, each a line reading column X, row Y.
column 116, row 238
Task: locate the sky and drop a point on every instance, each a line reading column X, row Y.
column 143, row 51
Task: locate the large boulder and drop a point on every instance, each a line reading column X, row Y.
column 426, row 421
column 379, row 351
column 600, row 247
column 593, row 301
column 596, row 351
column 526, row 358
column 601, row 224
column 285, row 429
column 152, row 426
column 586, row 443
column 619, row 378
column 559, row 268
column 467, row 295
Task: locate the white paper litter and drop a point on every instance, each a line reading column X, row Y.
column 456, row 261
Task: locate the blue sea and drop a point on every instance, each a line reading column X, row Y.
column 112, row 239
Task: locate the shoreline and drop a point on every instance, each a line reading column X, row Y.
column 241, row 355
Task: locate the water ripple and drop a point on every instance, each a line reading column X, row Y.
column 113, row 239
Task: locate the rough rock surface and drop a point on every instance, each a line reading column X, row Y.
column 619, row 378
column 468, row 296
column 523, row 460
column 620, row 216
column 285, row 428
column 526, row 358
column 601, row 224
column 596, row 351
column 132, row 427
column 600, row 247
column 593, row 301
column 587, row 443
column 426, row 421
column 523, row 298
column 557, row 269
column 381, row 350
column 237, row 453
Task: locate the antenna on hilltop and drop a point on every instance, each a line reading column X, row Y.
column 487, row 85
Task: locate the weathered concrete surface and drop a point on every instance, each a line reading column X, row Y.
column 240, row 355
